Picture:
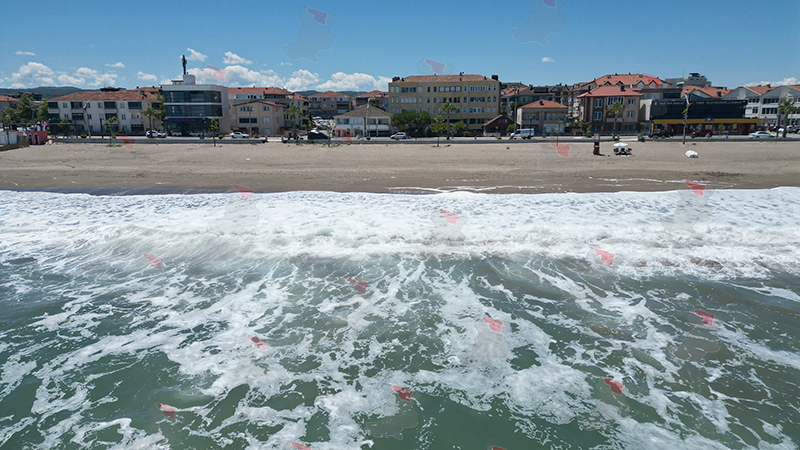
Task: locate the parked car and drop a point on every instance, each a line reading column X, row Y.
column 317, row 135
column 759, row 135
column 702, row 133
column 662, row 133
column 175, row 133
column 523, row 133
column 239, row 135
column 400, row 135
column 196, row 134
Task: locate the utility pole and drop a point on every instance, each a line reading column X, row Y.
column 685, row 117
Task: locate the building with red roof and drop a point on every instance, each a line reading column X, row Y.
column 88, row 110
column 328, row 104
column 544, row 116
column 595, row 103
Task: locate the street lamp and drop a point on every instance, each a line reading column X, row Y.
column 685, row 117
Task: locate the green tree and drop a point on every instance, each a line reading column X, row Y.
column 422, row 121
column 402, row 120
column 438, row 127
column 786, row 108
column 161, row 114
column 512, row 128
column 150, row 113
column 459, row 128
column 615, row 110
column 109, row 124
column 24, row 112
column 213, row 127
column 584, row 126
column 65, row 126
column 448, row 108
column 294, row 112
column 43, row 115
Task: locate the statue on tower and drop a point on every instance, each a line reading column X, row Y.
column 183, row 60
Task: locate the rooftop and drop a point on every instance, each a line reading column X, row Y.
column 445, row 78
column 538, row 104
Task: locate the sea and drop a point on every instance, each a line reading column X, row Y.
column 321, row 320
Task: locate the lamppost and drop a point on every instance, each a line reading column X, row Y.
column 685, row 117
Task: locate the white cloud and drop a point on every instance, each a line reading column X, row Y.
column 166, row 81
column 66, row 79
column 286, row 64
column 32, row 74
column 20, row 52
column 146, row 76
column 548, row 59
column 784, row 82
column 196, row 56
column 233, row 58
column 301, row 80
column 119, row 64
column 355, row 82
column 98, row 79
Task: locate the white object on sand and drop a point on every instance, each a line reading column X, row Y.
column 691, row 154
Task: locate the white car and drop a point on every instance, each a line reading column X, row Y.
column 175, row 133
column 759, row 135
column 398, row 136
column 239, row 135
column 155, row 134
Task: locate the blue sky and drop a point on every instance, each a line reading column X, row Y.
column 361, row 45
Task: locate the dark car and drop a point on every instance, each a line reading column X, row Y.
column 662, row 133
column 316, row 135
column 702, row 133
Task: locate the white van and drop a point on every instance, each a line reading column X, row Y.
column 523, row 132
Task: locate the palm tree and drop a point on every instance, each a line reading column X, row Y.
column 108, row 124
column 685, row 117
column 448, row 108
column 616, row 110
column 150, row 113
column 294, row 112
column 786, row 108
column 213, row 127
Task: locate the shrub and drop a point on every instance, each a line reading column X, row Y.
column 113, row 136
column 368, row 138
column 83, row 136
column 221, row 136
column 202, row 137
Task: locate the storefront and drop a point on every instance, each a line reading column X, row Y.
column 716, row 126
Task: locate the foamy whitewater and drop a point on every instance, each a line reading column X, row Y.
column 354, row 321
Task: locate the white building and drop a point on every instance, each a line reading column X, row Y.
column 362, row 120
column 763, row 102
column 87, row 111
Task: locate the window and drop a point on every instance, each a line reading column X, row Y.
column 477, row 88
column 122, row 106
column 598, row 116
column 631, row 101
column 612, row 100
column 134, row 105
column 755, row 110
column 408, row 89
column 99, row 105
column 65, row 105
column 90, row 117
column 598, row 103
column 123, row 116
column 266, row 108
column 630, row 114
column 266, row 119
column 109, row 105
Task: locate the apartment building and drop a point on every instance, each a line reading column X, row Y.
column 241, row 95
column 476, row 98
column 378, row 98
column 328, row 104
column 87, row 111
column 763, row 102
column 258, row 117
column 191, row 107
column 594, row 107
column 7, row 102
column 650, row 88
column 544, row 116
column 515, row 94
column 365, row 120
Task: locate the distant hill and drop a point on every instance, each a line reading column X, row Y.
column 350, row 94
column 45, row 91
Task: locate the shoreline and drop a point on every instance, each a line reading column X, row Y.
column 508, row 168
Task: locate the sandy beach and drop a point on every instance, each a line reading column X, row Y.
column 497, row 167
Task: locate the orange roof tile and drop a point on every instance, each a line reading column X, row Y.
column 760, row 90
column 611, row 91
column 543, row 104
column 5, row 98
column 629, row 79
column 125, row 94
column 260, row 101
column 258, row 90
column 328, row 94
column 375, row 93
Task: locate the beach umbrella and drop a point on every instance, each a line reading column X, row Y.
column 620, row 144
